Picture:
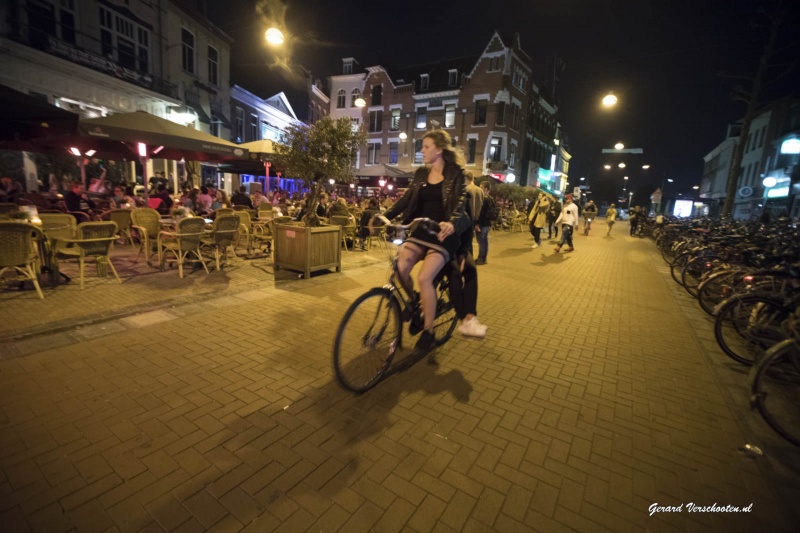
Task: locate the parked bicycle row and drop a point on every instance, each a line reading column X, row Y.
column 747, row 277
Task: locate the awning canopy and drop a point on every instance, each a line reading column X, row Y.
column 202, row 116
column 164, row 139
column 386, row 171
column 25, row 118
column 263, row 150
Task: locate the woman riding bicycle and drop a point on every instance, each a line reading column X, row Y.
column 437, row 191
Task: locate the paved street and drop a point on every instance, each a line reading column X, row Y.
column 208, row 403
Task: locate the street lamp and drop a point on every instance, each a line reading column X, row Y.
column 274, row 36
column 360, row 102
column 619, row 146
column 607, row 167
column 610, row 100
column 621, row 165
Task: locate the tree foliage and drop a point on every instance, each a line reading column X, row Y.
column 318, row 152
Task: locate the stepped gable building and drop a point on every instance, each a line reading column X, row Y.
column 488, row 103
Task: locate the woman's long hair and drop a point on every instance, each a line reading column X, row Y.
column 442, row 140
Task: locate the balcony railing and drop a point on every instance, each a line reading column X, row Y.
column 46, row 42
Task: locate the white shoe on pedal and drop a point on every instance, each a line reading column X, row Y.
column 472, row 328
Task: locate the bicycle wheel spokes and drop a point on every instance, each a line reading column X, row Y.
column 446, row 319
column 745, row 327
column 776, row 389
column 368, row 337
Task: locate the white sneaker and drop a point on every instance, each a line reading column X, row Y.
column 535, row 246
column 472, row 328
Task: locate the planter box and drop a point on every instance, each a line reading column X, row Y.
column 307, row 250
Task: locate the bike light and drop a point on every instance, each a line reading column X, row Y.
column 397, row 242
column 748, row 279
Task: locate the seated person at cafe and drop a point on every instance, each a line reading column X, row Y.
column 259, row 198
column 204, row 201
column 339, row 208
column 166, row 199
column 371, row 210
column 77, row 200
column 121, row 200
column 241, row 198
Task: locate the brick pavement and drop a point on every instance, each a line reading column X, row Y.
column 211, row 406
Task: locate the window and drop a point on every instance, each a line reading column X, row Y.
column 763, row 134
column 449, row 115
column 213, row 66
column 515, row 116
column 375, row 121
column 494, row 63
column 240, row 124
column 422, row 118
column 418, row 151
column 423, row 82
column 373, row 153
column 495, row 149
column 347, row 66
column 66, row 16
column 480, row 111
column 46, row 21
column 355, row 95
column 394, row 124
column 512, row 155
column 452, row 78
column 124, row 41
column 253, row 128
column 471, row 145
column 341, row 96
column 501, row 114
column 187, row 50
column 376, row 95
column 393, row 153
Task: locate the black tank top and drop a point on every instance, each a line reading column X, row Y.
column 430, row 202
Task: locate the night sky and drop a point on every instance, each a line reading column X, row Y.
column 662, row 59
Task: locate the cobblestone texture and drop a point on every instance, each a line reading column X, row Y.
column 208, row 403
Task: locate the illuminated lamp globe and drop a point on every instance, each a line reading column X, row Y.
column 403, row 136
column 619, row 146
column 770, row 182
column 274, row 36
column 331, row 181
column 621, row 165
column 510, row 178
column 360, row 102
column 609, row 100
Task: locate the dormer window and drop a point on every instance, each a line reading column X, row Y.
column 452, row 78
column 376, row 95
column 423, row 82
column 347, row 65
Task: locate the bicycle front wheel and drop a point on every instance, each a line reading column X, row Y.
column 446, row 319
column 367, row 340
column 776, row 389
column 747, row 325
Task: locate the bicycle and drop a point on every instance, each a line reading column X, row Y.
column 371, row 331
column 587, row 225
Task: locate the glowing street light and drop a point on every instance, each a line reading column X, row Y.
column 607, row 167
column 610, row 100
column 626, row 177
column 645, row 167
column 360, row 102
column 403, row 136
column 619, row 146
column 621, row 165
column 331, row 181
column 274, row 36
column 695, row 187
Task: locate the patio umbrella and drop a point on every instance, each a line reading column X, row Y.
column 26, row 118
column 162, row 138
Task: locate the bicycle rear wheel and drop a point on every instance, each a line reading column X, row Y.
column 747, row 325
column 446, row 319
column 367, row 340
column 775, row 389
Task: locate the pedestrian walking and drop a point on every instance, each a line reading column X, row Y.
column 489, row 213
column 552, row 216
column 537, row 218
column 634, row 219
column 475, row 197
column 569, row 222
column 611, row 217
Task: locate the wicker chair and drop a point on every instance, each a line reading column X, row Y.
column 123, row 219
column 18, row 252
column 94, row 240
column 349, row 228
column 186, row 240
column 147, row 223
column 222, row 235
column 245, row 231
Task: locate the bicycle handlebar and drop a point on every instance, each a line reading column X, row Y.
column 430, row 225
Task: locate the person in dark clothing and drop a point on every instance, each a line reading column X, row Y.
column 241, row 198
column 371, row 210
column 166, row 199
column 77, row 200
column 463, row 285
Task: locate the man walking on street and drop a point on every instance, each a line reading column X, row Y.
column 488, row 210
column 569, row 222
column 475, row 199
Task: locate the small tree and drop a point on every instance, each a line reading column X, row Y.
column 316, row 153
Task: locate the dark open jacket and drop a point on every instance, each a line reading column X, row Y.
column 453, row 196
